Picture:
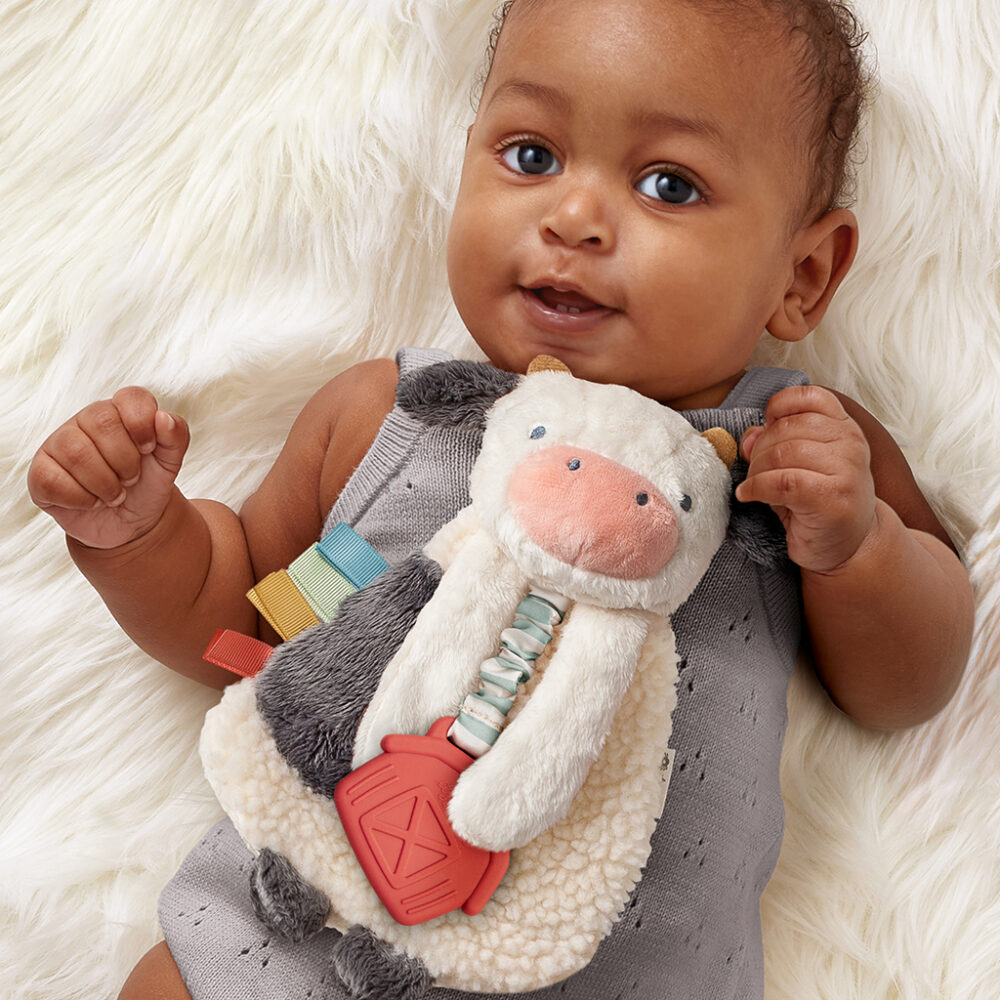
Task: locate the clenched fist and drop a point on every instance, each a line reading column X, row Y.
column 106, row 475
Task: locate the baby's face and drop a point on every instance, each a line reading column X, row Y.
column 627, row 196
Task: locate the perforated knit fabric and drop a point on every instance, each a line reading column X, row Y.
column 692, row 927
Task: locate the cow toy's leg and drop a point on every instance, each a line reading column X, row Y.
column 370, row 969
column 283, row 900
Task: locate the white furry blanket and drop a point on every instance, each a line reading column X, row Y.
column 229, row 202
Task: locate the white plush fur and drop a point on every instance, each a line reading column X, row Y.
column 562, row 891
column 528, row 780
column 229, row 202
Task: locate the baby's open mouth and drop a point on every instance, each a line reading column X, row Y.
column 564, row 302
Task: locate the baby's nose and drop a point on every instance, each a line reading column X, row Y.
column 578, row 217
column 594, row 513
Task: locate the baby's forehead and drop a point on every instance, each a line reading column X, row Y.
column 730, row 35
column 739, row 54
column 757, row 19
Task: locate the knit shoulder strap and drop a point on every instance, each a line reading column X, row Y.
column 760, row 384
column 745, row 404
column 410, row 359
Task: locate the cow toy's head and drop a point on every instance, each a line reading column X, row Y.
column 600, row 493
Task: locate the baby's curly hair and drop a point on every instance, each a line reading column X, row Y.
column 836, row 82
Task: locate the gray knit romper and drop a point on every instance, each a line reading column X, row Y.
column 691, row 930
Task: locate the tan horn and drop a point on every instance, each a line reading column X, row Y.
column 723, row 443
column 547, row 363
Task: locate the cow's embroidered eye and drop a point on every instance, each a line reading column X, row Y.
column 537, row 432
column 685, row 502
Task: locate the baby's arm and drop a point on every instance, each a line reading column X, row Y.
column 172, row 570
column 887, row 602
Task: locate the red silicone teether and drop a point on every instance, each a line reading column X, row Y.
column 394, row 810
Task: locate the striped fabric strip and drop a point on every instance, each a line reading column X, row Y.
column 238, row 653
column 351, row 555
column 278, row 599
column 311, row 589
column 321, row 585
column 484, row 714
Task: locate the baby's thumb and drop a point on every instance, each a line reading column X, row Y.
column 172, row 439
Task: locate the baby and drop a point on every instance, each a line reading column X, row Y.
column 647, row 186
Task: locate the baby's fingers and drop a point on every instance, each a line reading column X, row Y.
column 120, row 446
column 804, row 399
column 172, row 439
column 799, row 490
column 68, row 471
column 769, row 452
column 136, row 408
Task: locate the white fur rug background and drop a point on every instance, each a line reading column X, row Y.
column 229, row 201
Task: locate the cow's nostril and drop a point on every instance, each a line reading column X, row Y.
column 642, row 499
column 574, row 464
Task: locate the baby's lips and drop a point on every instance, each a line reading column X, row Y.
column 555, row 297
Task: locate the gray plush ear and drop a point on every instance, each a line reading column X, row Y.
column 451, row 393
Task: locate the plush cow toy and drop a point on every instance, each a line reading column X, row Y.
column 536, row 625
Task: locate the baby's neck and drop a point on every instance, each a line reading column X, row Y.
column 707, row 398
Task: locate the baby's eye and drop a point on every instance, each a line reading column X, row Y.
column 530, row 158
column 669, row 187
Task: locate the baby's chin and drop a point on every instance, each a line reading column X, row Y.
column 611, row 366
column 590, row 369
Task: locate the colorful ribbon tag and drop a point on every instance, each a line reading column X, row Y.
column 345, row 550
column 311, row 589
column 241, row 654
column 283, row 605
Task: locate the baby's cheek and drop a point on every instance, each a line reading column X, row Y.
column 593, row 513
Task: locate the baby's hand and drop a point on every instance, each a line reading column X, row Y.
column 810, row 462
column 106, row 475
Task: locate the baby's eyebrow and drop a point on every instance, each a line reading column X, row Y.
column 556, row 99
column 653, row 120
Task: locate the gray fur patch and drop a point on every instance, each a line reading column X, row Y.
column 454, row 392
column 316, row 687
column 370, row 969
column 755, row 528
column 283, row 900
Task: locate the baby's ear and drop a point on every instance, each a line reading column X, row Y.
column 454, row 392
column 822, row 255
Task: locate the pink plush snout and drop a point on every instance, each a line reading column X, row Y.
column 593, row 513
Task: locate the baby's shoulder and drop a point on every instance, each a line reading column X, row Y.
column 326, row 443
column 345, row 415
column 361, row 390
